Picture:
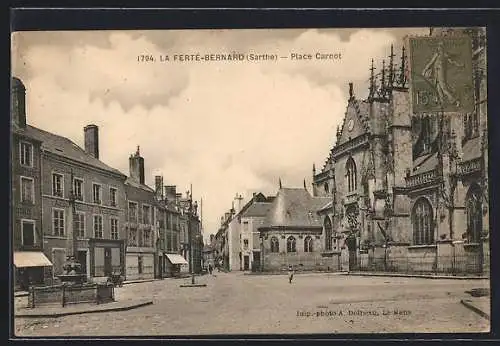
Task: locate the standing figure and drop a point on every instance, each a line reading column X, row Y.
column 210, row 269
column 290, row 274
column 436, row 72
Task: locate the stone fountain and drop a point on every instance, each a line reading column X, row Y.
column 72, row 272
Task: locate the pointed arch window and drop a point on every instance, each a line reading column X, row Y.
column 291, row 244
column 473, row 209
column 308, row 244
column 328, row 234
column 422, row 219
column 351, row 175
column 275, row 245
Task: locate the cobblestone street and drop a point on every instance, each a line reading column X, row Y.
column 233, row 303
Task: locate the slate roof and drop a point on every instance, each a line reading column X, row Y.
column 65, row 147
column 471, row 149
column 257, row 209
column 134, row 183
column 295, row 207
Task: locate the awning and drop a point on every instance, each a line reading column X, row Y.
column 176, row 259
column 24, row 259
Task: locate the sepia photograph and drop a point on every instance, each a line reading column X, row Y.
column 249, row 182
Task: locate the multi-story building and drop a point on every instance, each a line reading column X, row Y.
column 237, row 243
column 140, row 224
column 251, row 218
column 409, row 190
column 72, row 173
column 31, row 265
column 190, row 232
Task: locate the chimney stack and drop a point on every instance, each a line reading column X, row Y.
column 92, row 140
column 171, row 192
column 136, row 164
column 18, row 104
column 159, row 186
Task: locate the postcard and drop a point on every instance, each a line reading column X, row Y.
column 250, row 182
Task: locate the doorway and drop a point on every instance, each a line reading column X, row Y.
column 246, row 263
column 352, row 247
column 82, row 258
column 107, row 261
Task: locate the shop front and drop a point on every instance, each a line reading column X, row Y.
column 30, row 267
column 106, row 257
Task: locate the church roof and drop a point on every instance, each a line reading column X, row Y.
column 425, row 163
column 295, row 207
column 471, row 149
column 67, row 148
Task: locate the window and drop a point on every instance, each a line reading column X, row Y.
column 473, row 210
column 27, row 190
column 78, row 188
column 351, row 175
column 114, row 229
column 80, row 225
column 146, row 215
column 112, row 197
column 96, row 193
column 57, row 185
column 132, row 212
column 175, row 246
column 291, row 244
column 245, row 226
column 245, row 243
column 147, row 237
column 58, row 222
column 275, row 245
column 98, row 233
column 28, row 232
column 471, row 125
column 26, row 154
column 423, row 230
column 132, row 237
column 328, row 234
column 308, row 244
column 139, row 264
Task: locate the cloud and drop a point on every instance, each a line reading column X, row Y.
column 226, row 128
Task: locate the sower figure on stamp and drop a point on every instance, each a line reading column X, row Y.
column 290, row 274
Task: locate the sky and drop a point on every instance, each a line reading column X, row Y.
column 225, row 127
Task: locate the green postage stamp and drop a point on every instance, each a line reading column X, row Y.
column 441, row 70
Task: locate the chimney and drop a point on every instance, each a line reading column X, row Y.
column 92, row 140
column 136, row 164
column 178, row 197
column 171, row 192
column 159, row 186
column 18, row 104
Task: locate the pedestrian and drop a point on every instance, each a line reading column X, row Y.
column 290, row 274
column 210, row 269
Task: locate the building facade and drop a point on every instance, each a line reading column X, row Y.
column 31, row 265
column 409, row 191
column 97, row 221
column 292, row 233
column 140, row 225
column 252, row 217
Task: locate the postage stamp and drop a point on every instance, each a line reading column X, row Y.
column 441, row 70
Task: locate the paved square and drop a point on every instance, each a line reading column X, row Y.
column 233, row 303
